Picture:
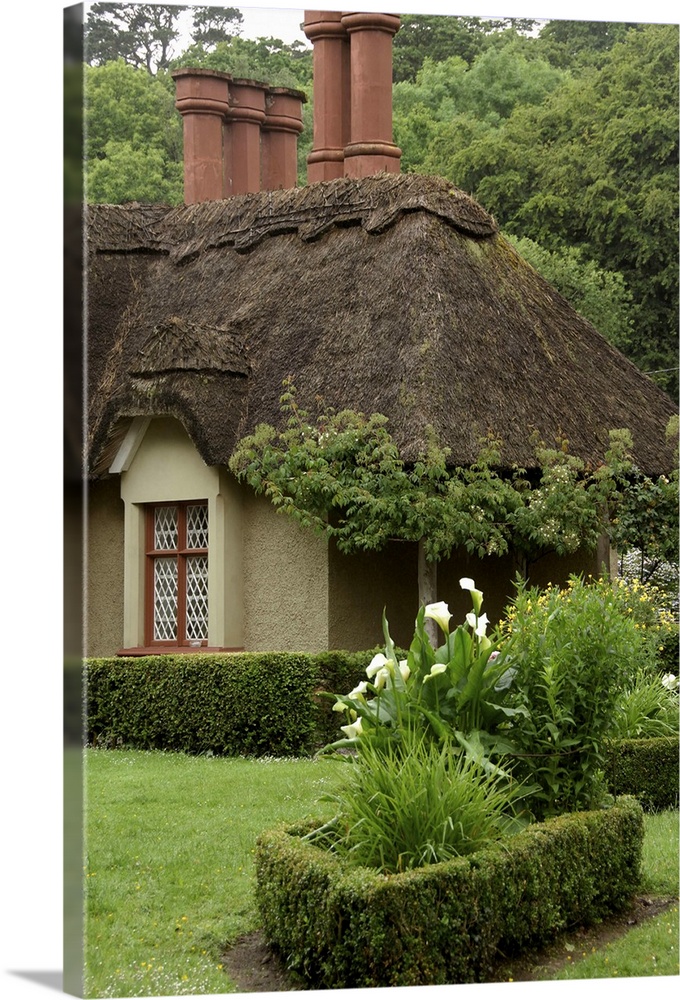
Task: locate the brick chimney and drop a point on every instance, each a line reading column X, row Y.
column 352, row 94
column 240, row 136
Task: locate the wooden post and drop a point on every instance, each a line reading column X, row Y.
column 427, row 589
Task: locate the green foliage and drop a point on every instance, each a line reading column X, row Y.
column 144, row 34
column 341, row 474
column 648, row 606
column 580, row 44
column 133, row 136
column 266, row 59
column 243, row 703
column 646, row 520
column 415, row 803
column 239, row 702
column 572, row 651
column 646, row 768
column 647, row 707
column 423, row 36
column 128, row 174
column 343, row 926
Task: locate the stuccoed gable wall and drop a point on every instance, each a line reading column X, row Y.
column 104, row 569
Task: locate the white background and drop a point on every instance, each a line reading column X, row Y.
column 30, row 355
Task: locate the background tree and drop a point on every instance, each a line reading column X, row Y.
column 423, row 36
column 133, row 146
column 145, row 35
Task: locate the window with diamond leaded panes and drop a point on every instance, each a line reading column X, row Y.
column 177, row 574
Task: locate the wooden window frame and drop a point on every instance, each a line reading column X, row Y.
column 182, row 552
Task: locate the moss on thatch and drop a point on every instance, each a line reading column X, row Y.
column 393, row 293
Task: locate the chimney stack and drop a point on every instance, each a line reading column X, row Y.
column 331, row 94
column 244, row 120
column 240, row 136
column 280, row 130
column 352, row 94
column 202, row 98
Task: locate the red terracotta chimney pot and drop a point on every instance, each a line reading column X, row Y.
column 202, row 98
column 280, row 130
column 331, row 94
column 244, row 120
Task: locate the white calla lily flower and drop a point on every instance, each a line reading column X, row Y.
column 361, row 688
column 354, row 729
column 377, row 663
column 478, row 624
column 439, row 613
column 404, row 670
column 380, row 679
column 437, row 668
column 339, row 706
column 467, row 584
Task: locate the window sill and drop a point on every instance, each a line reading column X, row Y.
column 174, row 650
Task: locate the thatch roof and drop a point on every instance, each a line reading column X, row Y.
column 393, row 293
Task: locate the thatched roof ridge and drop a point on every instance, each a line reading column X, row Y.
column 392, row 293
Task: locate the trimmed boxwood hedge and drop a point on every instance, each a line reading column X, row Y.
column 232, row 704
column 647, row 769
column 271, row 703
column 345, row 927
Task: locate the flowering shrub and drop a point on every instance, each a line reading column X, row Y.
column 647, row 605
column 573, row 650
column 459, row 691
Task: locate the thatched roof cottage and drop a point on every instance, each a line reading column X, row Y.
column 373, row 290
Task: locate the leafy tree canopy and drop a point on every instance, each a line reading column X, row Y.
column 423, row 36
column 144, row 35
column 267, row 59
column 133, row 142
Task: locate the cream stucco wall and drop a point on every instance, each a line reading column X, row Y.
column 361, row 585
column 285, row 581
column 104, row 569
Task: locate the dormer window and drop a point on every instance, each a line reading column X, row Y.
column 177, row 574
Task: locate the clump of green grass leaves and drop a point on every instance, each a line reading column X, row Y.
column 414, row 802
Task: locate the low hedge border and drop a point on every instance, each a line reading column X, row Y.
column 647, row 768
column 250, row 704
column 344, row 927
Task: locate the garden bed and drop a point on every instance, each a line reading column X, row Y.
column 340, row 926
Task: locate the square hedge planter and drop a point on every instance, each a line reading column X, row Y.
column 341, row 926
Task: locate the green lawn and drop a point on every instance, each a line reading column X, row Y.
column 170, row 880
column 169, row 871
